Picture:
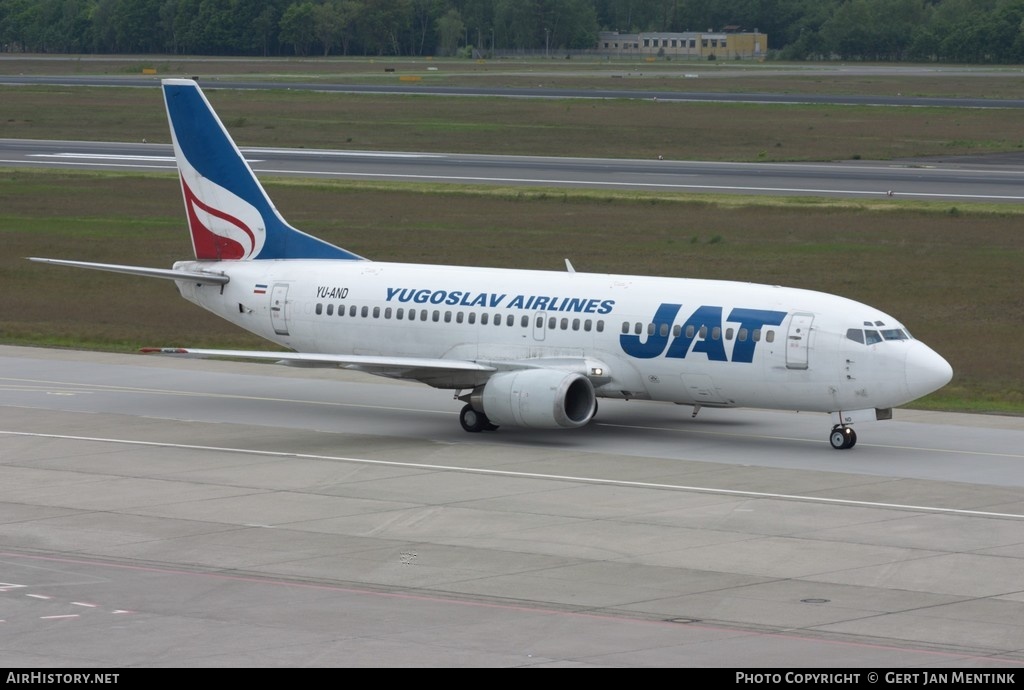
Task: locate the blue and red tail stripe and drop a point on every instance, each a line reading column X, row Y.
column 229, row 213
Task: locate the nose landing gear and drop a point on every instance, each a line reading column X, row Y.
column 842, row 437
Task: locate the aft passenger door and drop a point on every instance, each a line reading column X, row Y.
column 279, row 308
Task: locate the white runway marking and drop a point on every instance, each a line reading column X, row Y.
column 103, row 157
column 166, row 166
column 618, row 184
column 532, row 475
column 341, row 154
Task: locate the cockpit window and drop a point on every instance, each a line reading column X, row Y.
column 870, row 336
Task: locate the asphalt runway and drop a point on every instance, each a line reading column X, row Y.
column 996, row 179
column 166, row 512
column 971, row 179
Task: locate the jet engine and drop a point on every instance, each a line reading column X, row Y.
column 537, row 398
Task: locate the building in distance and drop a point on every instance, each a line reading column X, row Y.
column 700, row 45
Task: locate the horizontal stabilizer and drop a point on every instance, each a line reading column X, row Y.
column 171, row 274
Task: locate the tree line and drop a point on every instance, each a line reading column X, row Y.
column 967, row 31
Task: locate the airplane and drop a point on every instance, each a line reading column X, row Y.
column 520, row 348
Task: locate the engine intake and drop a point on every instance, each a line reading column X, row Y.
column 537, row 398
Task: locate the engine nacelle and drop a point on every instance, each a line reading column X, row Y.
column 538, row 398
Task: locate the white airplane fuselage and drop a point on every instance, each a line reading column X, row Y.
column 532, row 349
column 698, row 342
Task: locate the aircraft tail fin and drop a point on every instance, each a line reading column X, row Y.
column 230, row 216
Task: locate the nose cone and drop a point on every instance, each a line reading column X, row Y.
column 926, row 370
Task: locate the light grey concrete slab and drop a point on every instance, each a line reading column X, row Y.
column 790, row 557
column 187, row 513
column 958, row 574
column 954, row 533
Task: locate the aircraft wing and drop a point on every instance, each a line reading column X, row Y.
column 427, row 370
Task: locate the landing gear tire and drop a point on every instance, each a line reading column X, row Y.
column 474, row 421
column 842, row 437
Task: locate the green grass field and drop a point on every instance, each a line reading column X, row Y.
column 586, row 128
column 951, row 274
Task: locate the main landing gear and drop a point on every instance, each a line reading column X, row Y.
column 842, row 437
column 474, row 421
